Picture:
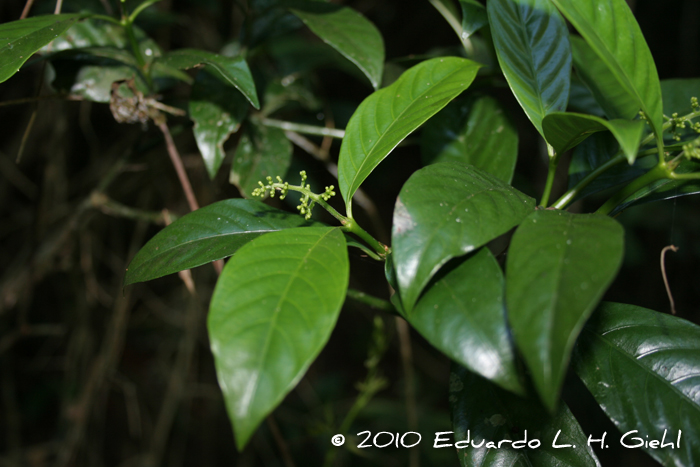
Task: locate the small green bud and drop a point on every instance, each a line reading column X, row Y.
column 694, row 103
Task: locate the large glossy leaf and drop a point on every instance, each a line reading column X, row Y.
column 595, row 151
column 262, row 152
column 347, row 31
column 643, row 368
column 610, row 29
column 565, row 130
column 474, row 17
column 446, row 210
column 580, row 97
column 19, row 40
column 217, row 111
column 483, row 413
column 463, row 315
column 532, row 44
column 231, row 70
column 664, row 189
column 475, row 132
column 605, row 87
column 272, row 311
column 559, row 265
column 207, row 234
column 387, row 116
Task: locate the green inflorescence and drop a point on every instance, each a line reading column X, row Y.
column 691, row 150
column 308, row 199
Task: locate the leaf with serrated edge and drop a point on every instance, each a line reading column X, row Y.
column 231, row 70
column 387, row 116
column 463, row 315
column 475, row 132
column 350, row 33
column 565, row 130
column 207, row 234
column 609, row 28
column 559, row 265
column 21, row 39
column 272, row 311
column 217, row 111
column 482, row 413
column 446, row 210
column 643, row 368
column 532, row 45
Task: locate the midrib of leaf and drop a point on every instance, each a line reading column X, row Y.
column 614, row 348
column 382, row 136
column 275, row 315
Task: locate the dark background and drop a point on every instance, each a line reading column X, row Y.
column 92, row 374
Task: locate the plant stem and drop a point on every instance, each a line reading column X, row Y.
column 351, row 226
column 302, row 128
column 109, row 19
column 573, row 192
column 140, row 8
column 362, row 247
column 659, row 172
column 553, row 162
column 179, row 167
column 369, row 300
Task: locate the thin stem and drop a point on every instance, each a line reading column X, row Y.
column 573, row 192
column 691, row 176
column 551, row 172
column 27, row 7
column 59, row 6
column 140, row 8
column 371, row 301
column 351, row 226
column 663, row 274
column 362, row 247
column 109, row 19
column 302, row 128
column 179, row 167
column 660, row 171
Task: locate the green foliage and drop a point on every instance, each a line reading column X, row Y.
column 507, row 309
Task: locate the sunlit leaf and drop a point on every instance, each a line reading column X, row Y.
column 565, row 130
column 207, row 234
column 272, row 312
column 643, row 368
column 463, row 315
column 558, row 267
column 387, row 116
column 446, row 210
column 532, row 44
column 611, row 31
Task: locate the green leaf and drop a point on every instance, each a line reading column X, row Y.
column 463, row 315
column 475, row 132
column 94, row 83
column 595, row 151
column 532, row 44
column 482, row 413
column 664, row 189
column 643, row 368
column 217, row 111
column 446, row 210
column 347, row 31
column 262, row 152
column 565, row 130
column 580, row 97
column 610, row 29
column 387, row 116
column 233, row 71
column 474, row 17
column 207, row 234
column 272, row 312
column 21, row 39
column 606, row 89
column 559, row 265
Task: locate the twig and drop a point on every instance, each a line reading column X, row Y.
column 663, row 274
column 281, row 444
column 27, row 7
column 59, row 5
column 177, row 163
column 407, row 363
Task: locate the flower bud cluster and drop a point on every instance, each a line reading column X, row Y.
column 308, row 199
